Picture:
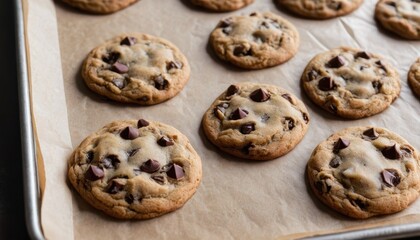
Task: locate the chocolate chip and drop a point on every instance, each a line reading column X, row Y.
column 94, row 173
column 175, row 171
column 165, row 141
column 247, row 148
column 119, row 83
column 391, row 152
column 171, row 65
column 312, row 75
column 335, row 162
column 336, row 62
column 264, row 25
column 290, row 123
column 332, row 108
column 129, row 41
column 142, row 123
column 381, row 65
column 150, row 166
column 160, row 82
column 129, row 133
column 364, row 55
column 326, row 84
column 119, row 67
column 259, row 95
column 241, row 51
column 159, row 179
column 406, row 152
column 90, row 155
column 265, row 117
column 133, row 152
column 393, row 4
column 225, row 23
column 110, row 161
column 129, row 198
column 390, row 177
column 114, row 187
column 247, row 128
column 305, row 117
column 341, row 144
column 220, row 110
column 370, row 134
column 322, row 186
column 287, row 97
column 143, row 99
column 111, row 58
column 253, row 14
column 377, row 86
column 359, row 203
column 239, row 113
column 232, row 89
column 335, row 5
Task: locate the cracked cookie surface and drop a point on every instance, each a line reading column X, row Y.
column 222, row 5
column 136, row 68
column 351, row 83
column 135, row 169
column 100, row 6
column 256, row 121
column 365, row 171
column 321, row 9
column 414, row 77
column 255, row 41
column 400, row 16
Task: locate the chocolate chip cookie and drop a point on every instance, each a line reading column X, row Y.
column 100, row 6
column 414, row 77
column 135, row 169
column 320, row 9
column 351, row 83
column 136, row 68
column 400, row 16
column 256, row 121
column 256, row 41
column 365, row 171
column 222, row 5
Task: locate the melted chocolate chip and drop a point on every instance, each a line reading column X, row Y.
column 150, row 166
column 165, row 141
column 247, row 148
column 406, row 152
column 119, row 83
column 265, row 117
column 142, row 123
column 259, row 95
column 241, row 51
column 129, row 133
column 287, row 97
column 322, row 186
column 239, row 113
column 335, row 5
column 232, row 89
column 119, row 67
column 335, row 162
column 114, row 187
column 129, row 41
column 253, row 14
column 175, row 171
column 159, row 179
column 110, row 161
column 332, row 108
column 111, row 58
column 160, row 82
column 89, row 156
column 359, row 203
column 312, row 75
column 336, row 62
column 393, row 4
column 173, row 65
column 129, row 198
column 377, row 86
column 220, row 110
column 133, row 152
column 341, row 144
column 364, row 55
column 370, row 134
column 290, row 123
column 305, row 117
column 247, row 128
column 225, row 23
column 326, row 84
column 94, row 173
column 381, row 65
column 391, row 152
column 390, row 177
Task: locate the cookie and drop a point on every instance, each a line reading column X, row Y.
column 351, row 83
column 365, row 171
column 222, row 5
column 256, row 121
column 414, row 77
column 100, row 6
column 400, row 16
column 320, row 9
column 135, row 169
column 136, row 68
column 256, row 41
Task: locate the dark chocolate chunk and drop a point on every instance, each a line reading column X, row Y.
column 377, row 86
column 175, row 171
column 336, row 62
column 94, row 173
column 142, row 123
column 165, row 141
column 119, row 83
column 241, row 51
column 129, row 198
column 287, row 97
column 326, row 84
column 305, row 117
column 391, row 152
column 265, row 117
column 129, row 133
column 150, row 166
column 225, row 23
column 133, row 152
column 364, row 55
column 247, row 128
column 172, row 64
column 341, row 144
column 290, row 123
column 253, row 14
column 335, row 162
column 114, row 187
column 160, row 82
column 159, row 179
column 312, row 75
column 390, row 177
column 370, row 134
column 232, row 89
column 239, row 113
column 259, row 95
column 119, row 67
column 111, row 58
column 129, row 41
column 89, row 156
column 247, row 148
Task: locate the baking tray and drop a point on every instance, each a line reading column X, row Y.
column 32, row 192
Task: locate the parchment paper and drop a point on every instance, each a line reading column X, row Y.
column 237, row 199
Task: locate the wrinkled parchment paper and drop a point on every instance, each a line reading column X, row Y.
column 237, row 199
